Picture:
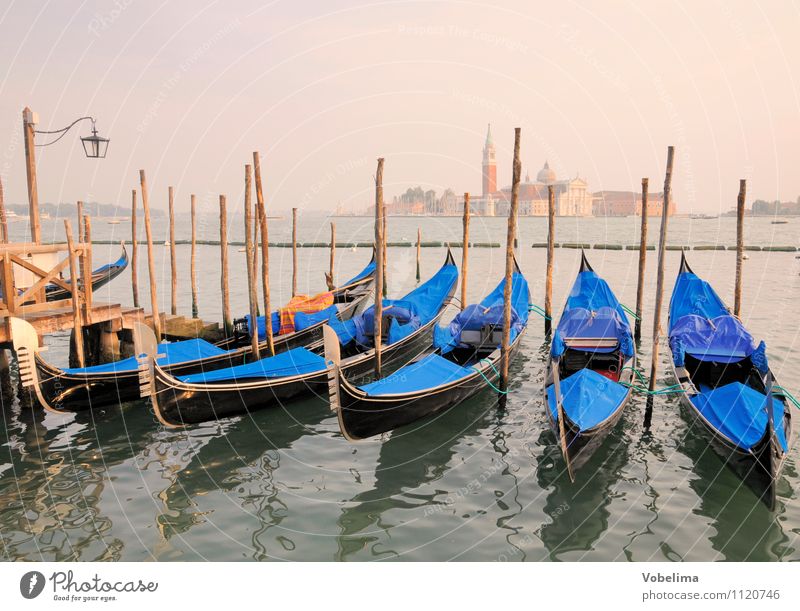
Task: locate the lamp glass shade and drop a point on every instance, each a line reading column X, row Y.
column 94, row 146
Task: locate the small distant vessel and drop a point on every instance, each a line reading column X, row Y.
column 116, row 220
column 167, row 243
column 779, row 222
column 702, row 217
column 44, row 216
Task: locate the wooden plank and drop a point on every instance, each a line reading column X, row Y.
column 30, row 291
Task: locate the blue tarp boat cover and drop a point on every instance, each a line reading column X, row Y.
column 411, row 312
column 588, row 398
column 739, row 412
column 722, row 339
column 700, row 324
column 488, row 312
column 301, row 320
column 168, row 354
column 592, row 311
column 430, row 371
column 293, row 362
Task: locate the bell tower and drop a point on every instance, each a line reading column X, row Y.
column 489, row 164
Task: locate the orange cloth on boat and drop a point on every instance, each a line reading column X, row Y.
column 305, row 304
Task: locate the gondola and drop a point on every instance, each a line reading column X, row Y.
column 591, row 366
column 77, row 389
column 464, row 360
column 346, row 300
column 408, row 325
column 728, row 389
column 100, row 277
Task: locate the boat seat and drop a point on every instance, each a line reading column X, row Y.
column 489, row 336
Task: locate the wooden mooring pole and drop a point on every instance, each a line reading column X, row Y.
column 223, row 276
column 262, row 221
column 151, row 264
column 637, row 324
column 193, row 258
column 419, row 249
column 329, row 278
column 86, row 272
column 510, row 241
column 551, row 245
column 77, row 326
column 3, row 219
column 252, row 281
column 173, row 264
column 737, row 294
column 80, row 221
column 134, row 252
column 379, row 252
column 294, row 252
column 464, row 252
column 662, row 247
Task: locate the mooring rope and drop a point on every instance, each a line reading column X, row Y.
column 532, row 307
column 629, row 311
column 786, row 394
column 485, row 379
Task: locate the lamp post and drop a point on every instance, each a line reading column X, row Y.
column 94, row 147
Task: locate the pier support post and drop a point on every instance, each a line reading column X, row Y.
column 193, row 258
column 134, row 252
column 3, row 218
column 294, row 252
column 329, row 279
column 76, row 348
column 223, row 276
column 419, row 249
column 28, row 125
column 252, row 285
column 173, row 264
column 151, row 265
column 637, row 324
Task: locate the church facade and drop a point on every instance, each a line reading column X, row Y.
column 572, row 196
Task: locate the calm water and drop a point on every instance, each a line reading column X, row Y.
column 477, row 483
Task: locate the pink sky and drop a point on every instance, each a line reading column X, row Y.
column 187, row 90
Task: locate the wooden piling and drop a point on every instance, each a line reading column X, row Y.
column 173, row 264
column 80, row 222
column 737, row 295
column 151, row 264
column 252, row 282
column 3, row 219
column 262, row 221
column 419, row 249
column 464, row 252
column 379, row 251
column 637, row 324
column 193, row 258
column 662, row 247
column 329, row 279
column 223, row 276
column 551, row 245
column 86, row 272
column 294, row 252
column 77, row 326
column 385, row 251
column 134, row 252
column 510, row 240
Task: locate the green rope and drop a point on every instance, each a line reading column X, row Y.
column 538, row 310
column 786, row 394
column 629, row 311
column 485, row 379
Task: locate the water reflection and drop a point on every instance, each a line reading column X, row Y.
column 408, row 460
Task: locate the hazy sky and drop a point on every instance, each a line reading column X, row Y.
column 187, row 90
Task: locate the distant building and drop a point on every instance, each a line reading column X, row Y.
column 765, row 208
column 628, row 203
column 572, row 197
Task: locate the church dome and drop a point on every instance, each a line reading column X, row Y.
column 546, row 175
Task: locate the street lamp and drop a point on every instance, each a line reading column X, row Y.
column 94, row 146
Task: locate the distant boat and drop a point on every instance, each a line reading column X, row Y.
column 167, row 243
column 779, row 222
column 702, row 217
column 117, row 220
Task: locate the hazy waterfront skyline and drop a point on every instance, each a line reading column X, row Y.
column 188, row 90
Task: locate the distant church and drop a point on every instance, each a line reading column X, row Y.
column 572, row 196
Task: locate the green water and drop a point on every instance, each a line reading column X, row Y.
column 476, row 483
